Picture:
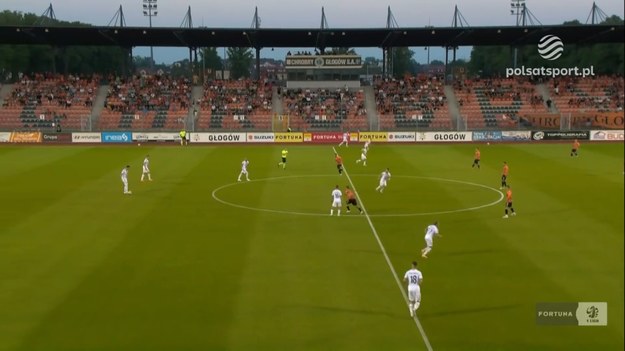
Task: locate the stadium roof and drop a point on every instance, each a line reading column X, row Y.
column 313, row 38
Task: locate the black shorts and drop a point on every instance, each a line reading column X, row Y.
column 352, row 202
column 476, row 161
column 284, row 160
column 504, row 177
column 339, row 166
column 573, row 150
column 509, row 204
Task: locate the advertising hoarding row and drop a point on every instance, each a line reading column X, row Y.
column 126, row 137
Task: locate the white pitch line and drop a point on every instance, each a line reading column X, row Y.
column 388, row 260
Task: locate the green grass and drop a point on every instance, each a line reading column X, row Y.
column 83, row 267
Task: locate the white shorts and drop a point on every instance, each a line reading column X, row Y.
column 428, row 241
column 363, row 157
column 336, row 203
column 146, row 170
column 382, row 182
column 414, row 293
column 124, row 180
column 244, row 171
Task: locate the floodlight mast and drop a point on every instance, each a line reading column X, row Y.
column 150, row 9
column 517, row 8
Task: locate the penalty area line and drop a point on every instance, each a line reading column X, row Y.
column 387, row 258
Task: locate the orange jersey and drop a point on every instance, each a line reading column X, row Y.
column 576, row 145
column 339, row 160
column 505, row 171
column 477, row 154
column 509, row 196
column 350, row 194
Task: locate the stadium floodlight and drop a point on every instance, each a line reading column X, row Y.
column 517, row 7
column 150, row 10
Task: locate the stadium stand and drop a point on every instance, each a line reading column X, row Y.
column 235, row 104
column 49, row 101
column 325, row 109
column 144, row 102
column 497, row 103
column 600, row 94
column 412, row 103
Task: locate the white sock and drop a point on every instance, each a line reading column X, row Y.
column 416, row 305
column 339, row 212
column 427, row 250
column 331, row 212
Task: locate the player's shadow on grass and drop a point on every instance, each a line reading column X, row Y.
column 470, row 310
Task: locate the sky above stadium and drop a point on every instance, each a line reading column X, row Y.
column 307, row 14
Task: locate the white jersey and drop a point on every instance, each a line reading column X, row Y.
column 414, row 278
column 364, row 152
column 430, row 231
column 336, row 195
column 386, row 175
column 146, row 165
column 367, row 143
column 244, row 166
column 345, row 136
column 124, row 174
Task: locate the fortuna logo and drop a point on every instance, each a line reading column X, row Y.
column 555, row 314
column 550, row 47
column 592, row 312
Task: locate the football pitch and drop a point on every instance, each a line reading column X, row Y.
column 195, row 260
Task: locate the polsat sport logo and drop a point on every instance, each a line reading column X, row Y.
column 550, row 47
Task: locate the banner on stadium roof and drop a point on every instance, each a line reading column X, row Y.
column 260, row 137
column 323, row 61
column 560, row 135
column 26, row 137
column 487, row 136
column 373, row 136
column 293, row 137
column 444, row 136
column 402, row 137
column 5, row 137
column 57, row 137
column 607, row 135
column 86, row 137
column 117, row 137
column 516, row 135
column 155, row 137
column 217, row 138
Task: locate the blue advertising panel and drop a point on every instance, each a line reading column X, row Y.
column 117, row 137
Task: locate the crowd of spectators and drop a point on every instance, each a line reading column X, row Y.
column 145, row 93
column 421, row 95
column 324, row 104
column 54, row 90
column 237, row 97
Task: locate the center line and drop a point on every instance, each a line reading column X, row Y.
column 388, row 260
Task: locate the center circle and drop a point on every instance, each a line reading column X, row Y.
column 325, row 214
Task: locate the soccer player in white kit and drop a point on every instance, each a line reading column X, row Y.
column 125, row 180
column 367, row 143
column 345, row 139
column 363, row 156
column 414, row 278
column 336, row 201
column 431, row 230
column 244, row 164
column 146, row 168
column 384, row 178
